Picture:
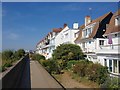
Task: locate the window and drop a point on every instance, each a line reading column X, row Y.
column 66, row 35
column 85, row 32
column 110, row 65
column 89, row 31
column 117, row 21
column 115, row 35
column 105, row 62
column 101, row 42
column 115, row 65
column 89, row 42
column 76, row 35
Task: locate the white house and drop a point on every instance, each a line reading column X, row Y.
column 109, row 52
column 89, row 34
column 55, row 38
column 47, row 45
column 67, row 35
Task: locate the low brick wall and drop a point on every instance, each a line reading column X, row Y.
column 12, row 78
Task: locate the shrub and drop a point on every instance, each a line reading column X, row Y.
column 51, row 66
column 102, row 73
column 80, row 67
column 111, row 82
column 96, row 73
column 20, row 53
column 67, row 52
column 37, row 57
column 7, row 54
column 71, row 63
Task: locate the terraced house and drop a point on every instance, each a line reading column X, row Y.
column 109, row 52
column 90, row 35
column 99, row 39
column 47, row 45
column 67, row 35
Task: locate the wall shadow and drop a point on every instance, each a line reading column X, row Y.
column 18, row 76
column 26, row 79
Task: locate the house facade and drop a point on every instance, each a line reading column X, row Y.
column 55, row 38
column 109, row 52
column 99, row 40
column 46, row 46
column 67, row 35
column 90, row 33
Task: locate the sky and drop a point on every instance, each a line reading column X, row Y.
column 24, row 24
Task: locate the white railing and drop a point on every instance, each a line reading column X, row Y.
column 113, row 49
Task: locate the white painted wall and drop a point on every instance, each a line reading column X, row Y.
column 65, row 36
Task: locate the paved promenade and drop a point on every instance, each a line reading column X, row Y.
column 40, row 78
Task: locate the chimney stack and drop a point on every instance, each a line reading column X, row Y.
column 75, row 25
column 87, row 20
column 65, row 25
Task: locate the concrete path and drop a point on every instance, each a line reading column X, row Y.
column 40, row 78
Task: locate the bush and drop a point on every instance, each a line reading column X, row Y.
column 51, row 66
column 67, row 52
column 94, row 72
column 7, row 54
column 37, row 57
column 71, row 63
column 20, row 53
column 111, row 82
column 80, row 67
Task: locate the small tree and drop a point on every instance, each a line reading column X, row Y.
column 20, row 53
column 67, row 52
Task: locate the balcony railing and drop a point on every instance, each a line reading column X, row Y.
column 110, row 49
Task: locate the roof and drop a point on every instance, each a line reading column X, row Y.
column 57, row 29
column 112, row 28
column 54, row 30
column 97, row 20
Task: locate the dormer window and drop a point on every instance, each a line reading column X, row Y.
column 117, row 21
column 85, row 32
column 89, row 31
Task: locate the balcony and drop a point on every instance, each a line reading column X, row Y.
column 109, row 49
